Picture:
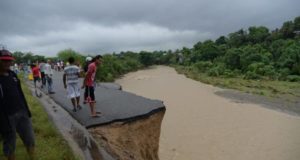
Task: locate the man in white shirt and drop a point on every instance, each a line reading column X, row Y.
column 48, row 75
column 42, row 70
column 71, row 80
column 58, row 66
column 62, row 65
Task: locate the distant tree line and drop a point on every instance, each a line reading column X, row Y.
column 255, row 53
column 27, row 58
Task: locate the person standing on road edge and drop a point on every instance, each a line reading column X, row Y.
column 88, row 61
column 88, row 84
column 71, row 80
column 14, row 111
column 48, row 76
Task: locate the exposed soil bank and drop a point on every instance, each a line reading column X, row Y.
column 133, row 140
column 199, row 124
column 79, row 139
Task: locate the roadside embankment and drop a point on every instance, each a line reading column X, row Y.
column 138, row 139
column 128, row 128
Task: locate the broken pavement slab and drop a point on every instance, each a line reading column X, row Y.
column 134, row 120
column 115, row 105
column 78, row 137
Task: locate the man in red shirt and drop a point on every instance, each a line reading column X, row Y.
column 36, row 73
column 89, row 84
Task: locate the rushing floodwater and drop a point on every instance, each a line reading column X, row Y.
column 201, row 125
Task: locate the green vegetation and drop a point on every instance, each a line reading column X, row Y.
column 27, row 58
column 116, row 65
column 255, row 60
column 280, row 89
column 64, row 55
column 49, row 144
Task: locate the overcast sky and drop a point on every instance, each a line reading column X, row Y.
column 104, row 26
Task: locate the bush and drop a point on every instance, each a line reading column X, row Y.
column 293, row 78
column 232, row 58
column 147, row 58
column 115, row 65
column 263, row 70
column 283, row 73
column 251, row 75
column 64, row 55
column 254, row 54
column 229, row 74
column 270, row 72
column 132, row 64
column 202, row 66
column 217, row 70
column 256, row 68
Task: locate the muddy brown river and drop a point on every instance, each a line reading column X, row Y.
column 202, row 125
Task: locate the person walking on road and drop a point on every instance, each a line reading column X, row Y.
column 89, row 84
column 36, row 74
column 36, row 78
column 71, row 80
column 42, row 67
column 14, row 110
column 48, row 76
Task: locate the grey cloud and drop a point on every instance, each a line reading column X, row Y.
column 51, row 25
column 90, row 38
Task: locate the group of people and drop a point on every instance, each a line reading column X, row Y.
column 71, row 83
column 71, row 76
column 14, row 110
column 43, row 72
column 59, row 66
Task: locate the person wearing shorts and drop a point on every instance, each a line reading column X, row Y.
column 48, row 76
column 42, row 70
column 71, row 80
column 88, row 84
column 14, row 111
column 36, row 74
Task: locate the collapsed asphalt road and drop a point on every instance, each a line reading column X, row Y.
column 115, row 105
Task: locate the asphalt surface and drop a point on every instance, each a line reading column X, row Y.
column 115, row 105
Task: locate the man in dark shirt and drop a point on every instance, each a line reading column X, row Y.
column 14, row 111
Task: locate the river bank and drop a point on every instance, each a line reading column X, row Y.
column 199, row 124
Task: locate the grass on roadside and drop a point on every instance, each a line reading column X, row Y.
column 50, row 145
column 279, row 89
